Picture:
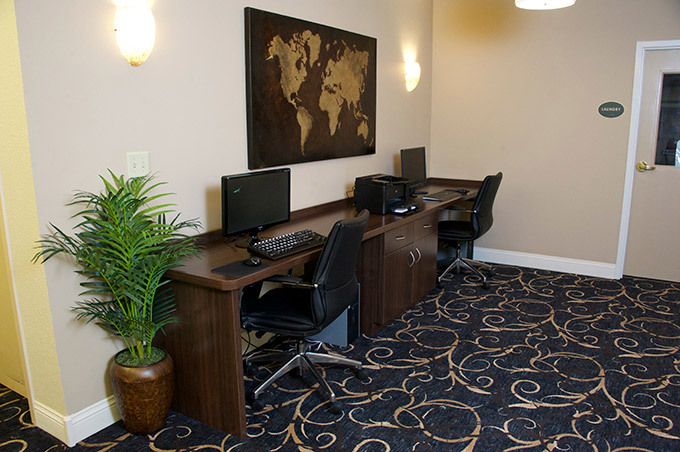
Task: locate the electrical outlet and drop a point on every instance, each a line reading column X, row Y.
column 138, row 164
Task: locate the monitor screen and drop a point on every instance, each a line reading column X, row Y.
column 254, row 201
column 413, row 166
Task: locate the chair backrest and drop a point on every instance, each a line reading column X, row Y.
column 335, row 272
column 482, row 210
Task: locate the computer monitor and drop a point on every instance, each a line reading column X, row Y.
column 252, row 202
column 413, row 168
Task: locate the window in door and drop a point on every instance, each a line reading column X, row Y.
column 668, row 138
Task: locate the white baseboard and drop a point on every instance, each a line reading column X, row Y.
column 542, row 262
column 74, row 428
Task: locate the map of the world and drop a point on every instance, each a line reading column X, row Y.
column 310, row 91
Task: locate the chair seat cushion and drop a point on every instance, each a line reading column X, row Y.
column 283, row 310
column 455, row 230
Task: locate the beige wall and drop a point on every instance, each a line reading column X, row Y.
column 517, row 91
column 11, row 356
column 18, row 199
column 86, row 108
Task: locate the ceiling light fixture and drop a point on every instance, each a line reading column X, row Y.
column 543, row 4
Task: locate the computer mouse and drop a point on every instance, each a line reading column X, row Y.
column 252, row 261
column 463, row 191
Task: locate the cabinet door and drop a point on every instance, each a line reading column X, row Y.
column 425, row 269
column 397, row 283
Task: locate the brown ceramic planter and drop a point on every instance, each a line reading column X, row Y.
column 143, row 394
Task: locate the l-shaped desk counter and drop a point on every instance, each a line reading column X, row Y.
column 396, row 268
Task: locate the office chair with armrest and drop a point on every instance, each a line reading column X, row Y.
column 301, row 309
column 481, row 218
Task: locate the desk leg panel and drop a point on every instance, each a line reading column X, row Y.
column 206, row 348
column 369, row 271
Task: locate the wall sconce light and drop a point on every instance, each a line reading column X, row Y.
column 135, row 31
column 411, row 75
column 543, row 4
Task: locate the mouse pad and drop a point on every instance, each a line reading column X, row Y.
column 238, row 269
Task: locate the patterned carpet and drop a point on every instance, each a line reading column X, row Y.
column 541, row 361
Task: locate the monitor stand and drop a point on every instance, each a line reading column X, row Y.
column 253, row 238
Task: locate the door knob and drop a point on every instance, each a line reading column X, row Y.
column 643, row 166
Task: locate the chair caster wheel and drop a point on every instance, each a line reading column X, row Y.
column 250, row 369
column 485, row 286
column 335, row 408
column 361, row 375
column 257, row 404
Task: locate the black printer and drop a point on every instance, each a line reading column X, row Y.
column 381, row 194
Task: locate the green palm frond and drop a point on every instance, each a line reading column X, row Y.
column 123, row 245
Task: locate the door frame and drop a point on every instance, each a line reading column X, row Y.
column 641, row 49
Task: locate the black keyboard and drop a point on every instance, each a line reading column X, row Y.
column 445, row 195
column 287, row 244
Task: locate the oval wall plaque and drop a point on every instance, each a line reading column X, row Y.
column 610, row 109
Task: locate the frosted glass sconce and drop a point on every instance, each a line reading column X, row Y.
column 135, row 31
column 543, row 4
column 411, row 75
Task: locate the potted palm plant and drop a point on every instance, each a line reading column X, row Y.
column 122, row 246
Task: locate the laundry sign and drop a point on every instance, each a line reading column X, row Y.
column 610, row 109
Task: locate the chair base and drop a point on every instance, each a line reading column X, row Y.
column 471, row 265
column 301, row 358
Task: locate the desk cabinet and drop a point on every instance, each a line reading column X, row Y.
column 409, row 267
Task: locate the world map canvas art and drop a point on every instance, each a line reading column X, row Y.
column 310, row 91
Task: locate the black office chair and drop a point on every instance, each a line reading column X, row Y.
column 302, row 309
column 455, row 232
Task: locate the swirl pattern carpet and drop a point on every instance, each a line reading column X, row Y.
column 540, row 361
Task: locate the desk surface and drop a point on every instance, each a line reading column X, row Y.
column 218, row 252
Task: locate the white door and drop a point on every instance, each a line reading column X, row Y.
column 653, row 245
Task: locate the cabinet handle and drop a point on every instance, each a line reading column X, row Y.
column 400, row 237
column 419, row 255
column 427, row 226
column 413, row 259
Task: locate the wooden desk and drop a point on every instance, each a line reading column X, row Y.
column 206, row 344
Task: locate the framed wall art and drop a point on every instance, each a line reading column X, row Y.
column 310, row 91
